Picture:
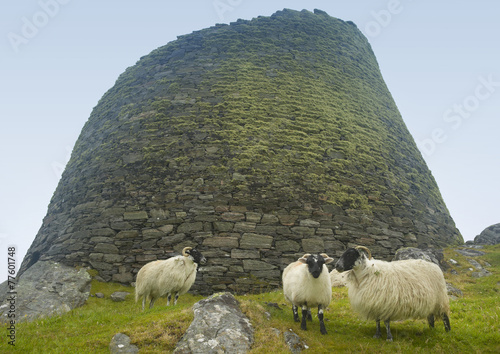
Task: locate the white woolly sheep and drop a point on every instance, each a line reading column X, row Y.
column 392, row 291
column 337, row 278
column 166, row 277
column 306, row 283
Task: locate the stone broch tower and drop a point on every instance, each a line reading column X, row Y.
column 257, row 142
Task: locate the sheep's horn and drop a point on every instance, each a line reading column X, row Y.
column 363, row 248
column 184, row 251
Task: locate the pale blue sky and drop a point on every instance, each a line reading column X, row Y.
column 440, row 60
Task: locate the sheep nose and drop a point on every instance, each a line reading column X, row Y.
column 203, row 261
column 339, row 267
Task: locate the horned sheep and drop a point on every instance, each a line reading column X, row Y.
column 306, row 283
column 175, row 276
column 391, row 291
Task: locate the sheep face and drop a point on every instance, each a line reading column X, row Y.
column 315, row 263
column 196, row 255
column 350, row 259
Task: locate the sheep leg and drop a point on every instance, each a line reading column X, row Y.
column 143, row 302
column 377, row 334
column 175, row 298
column 169, row 297
column 295, row 310
column 152, row 302
column 309, row 316
column 388, row 328
column 446, row 322
column 303, row 324
column 321, row 323
column 430, row 319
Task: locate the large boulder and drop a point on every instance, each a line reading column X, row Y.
column 489, row 236
column 219, row 326
column 430, row 255
column 46, row 289
column 120, row 343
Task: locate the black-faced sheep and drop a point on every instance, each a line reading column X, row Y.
column 306, row 283
column 391, row 291
column 166, row 277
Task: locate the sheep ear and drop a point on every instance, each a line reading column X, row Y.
column 304, row 258
column 327, row 259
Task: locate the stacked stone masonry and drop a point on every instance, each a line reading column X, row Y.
column 246, row 249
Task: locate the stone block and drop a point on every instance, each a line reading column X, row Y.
column 253, row 217
column 251, row 240
column 152, row 234
column 190, row 227
column 132, row 234
column 309, row 223
column 249, row 264
column 135, row 215
column 166, row 228
column 229, row 242
column 322, row 231
column 120, row 225
column 231, row 216
column 105, row 248
column 96, row 257
column 287, row 220
column 287, row 246
column 223, row 226
column 267, row 274
column 313, row 245
column 101, row 265
column 242, row 254
column 212, row 269
column 244, row 226
column 303, row 231
column 269, row 219
column 146, row 258
column 113, row 258
column 100, row 239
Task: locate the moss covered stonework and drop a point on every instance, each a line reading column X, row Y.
column 257, row 142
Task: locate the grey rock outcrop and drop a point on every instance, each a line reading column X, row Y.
column 430, row 255
column 470, row 252
column 294, row 342
column 479, row 270
column 489, row 236
column 118, row 296
column 47, row 289
column 121, row 344
column 219, row 326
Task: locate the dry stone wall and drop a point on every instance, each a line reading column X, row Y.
column 247, row 249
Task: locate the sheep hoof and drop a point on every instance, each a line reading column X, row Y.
column 376, row 336
column 389, row 339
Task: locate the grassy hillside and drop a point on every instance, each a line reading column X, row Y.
column 474, row 322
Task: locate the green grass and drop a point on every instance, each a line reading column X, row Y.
column 474, row 322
